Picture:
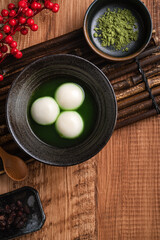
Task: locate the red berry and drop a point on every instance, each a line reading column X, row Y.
column 30, row 21
column 12, row 22
column 18, row 55
column 13, row 44
column 1, row 77
column 4, row 49
column 22, row 4
column 39, row 6
column 48, row 4
column 4, row 13
column 55, row 7
column 25, row 9
column 24, row 31
column 1, row 36
column 6, row 28
column 51, row 5
column 9, row 39
column 11, row 6
column 1, row 19
column 14, row 51
column 22, row 20
column 1, row 55
column 29, row 12
column 34, row 5
column 34, row 27
column 12, row 13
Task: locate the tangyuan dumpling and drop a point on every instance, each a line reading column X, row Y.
column 69, row 124
column 45, row 110
column 69, row 96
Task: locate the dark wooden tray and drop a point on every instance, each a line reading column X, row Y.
column 71, row 43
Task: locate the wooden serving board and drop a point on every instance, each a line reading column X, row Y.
column 71, row 43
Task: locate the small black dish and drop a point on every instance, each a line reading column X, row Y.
column 52, row 67
column 144, row 26
column 36, row 217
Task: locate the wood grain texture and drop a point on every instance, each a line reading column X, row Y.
column 114, row 195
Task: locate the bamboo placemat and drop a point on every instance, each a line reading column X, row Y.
column 134, row 103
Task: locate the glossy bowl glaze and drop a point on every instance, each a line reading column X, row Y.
column 144, row 26
column 31, row 78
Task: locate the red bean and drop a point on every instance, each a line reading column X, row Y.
column 19, row 203
column 13, row 215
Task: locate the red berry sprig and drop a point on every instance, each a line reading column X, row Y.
column 19, row 18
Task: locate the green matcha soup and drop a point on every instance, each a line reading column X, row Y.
column 87, row 110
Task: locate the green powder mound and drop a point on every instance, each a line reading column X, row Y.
column 116, row 28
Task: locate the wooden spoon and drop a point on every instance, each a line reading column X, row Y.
column 14, row 166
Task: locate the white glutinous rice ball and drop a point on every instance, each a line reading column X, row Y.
column 45, row 110
column 69, row 96
column 69, row 124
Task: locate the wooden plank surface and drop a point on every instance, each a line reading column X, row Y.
column 114, row 195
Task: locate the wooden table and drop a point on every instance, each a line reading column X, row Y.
column 114, row 195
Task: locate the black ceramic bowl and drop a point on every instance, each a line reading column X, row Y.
column 37, row 73
column 144, row 26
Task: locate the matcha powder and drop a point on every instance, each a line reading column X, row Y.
column 116, row 28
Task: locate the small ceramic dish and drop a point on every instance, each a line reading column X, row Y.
column 144, row 27
column 53, row 67
column 34, row 219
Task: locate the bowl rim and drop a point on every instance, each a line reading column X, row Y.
column 89, row 156
column 105, row 55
